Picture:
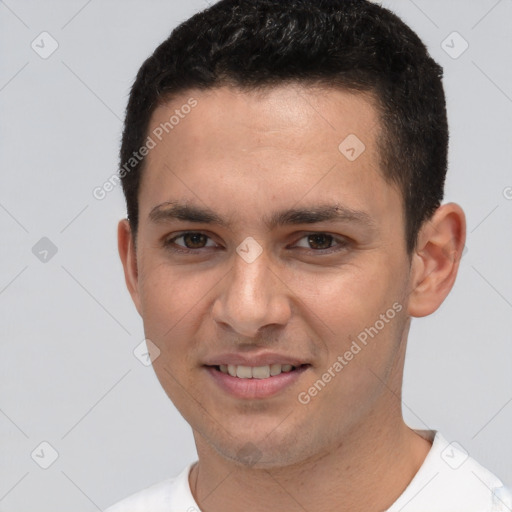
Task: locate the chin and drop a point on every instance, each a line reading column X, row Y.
column 262, row 452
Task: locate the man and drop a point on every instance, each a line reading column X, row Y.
column 283, row 164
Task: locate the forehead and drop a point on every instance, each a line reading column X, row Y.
column 284, row 117
column 277, row 145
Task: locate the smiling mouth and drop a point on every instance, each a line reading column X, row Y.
column 257, row 372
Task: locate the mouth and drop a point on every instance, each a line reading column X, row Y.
column 250, row 382
column 256, row 372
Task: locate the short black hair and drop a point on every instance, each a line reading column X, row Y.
column 355, row 45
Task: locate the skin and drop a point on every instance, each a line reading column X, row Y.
column 245, row 155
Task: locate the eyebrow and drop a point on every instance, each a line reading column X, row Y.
column 173, row 210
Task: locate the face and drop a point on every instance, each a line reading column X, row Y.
column 263, row 243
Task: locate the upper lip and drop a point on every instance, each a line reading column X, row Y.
column 263, row 359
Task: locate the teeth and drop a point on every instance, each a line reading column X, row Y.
column 275, row 369
column 261, row 372
column 255, row 372
column 244, row 372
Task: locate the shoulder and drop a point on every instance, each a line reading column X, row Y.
column 450, row 480
column 166, row 496
column 151, row 498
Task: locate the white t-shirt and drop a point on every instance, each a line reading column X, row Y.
column 448, row 481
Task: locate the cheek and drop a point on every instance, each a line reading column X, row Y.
column 358, row 315
column 349, row 298
column 171, row 296
column 172, row 303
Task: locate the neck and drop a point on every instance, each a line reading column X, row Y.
column 367, row 471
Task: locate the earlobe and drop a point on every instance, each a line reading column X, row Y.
column 436, row 259
column 127, row 253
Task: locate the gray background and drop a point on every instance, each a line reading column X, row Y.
column 68, row 327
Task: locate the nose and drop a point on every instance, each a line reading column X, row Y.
column 253, row 297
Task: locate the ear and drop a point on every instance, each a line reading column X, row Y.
column 128, row 255
column 435, row 261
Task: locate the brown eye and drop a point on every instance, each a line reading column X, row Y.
column 320, row 241
column 190, row 240
column 194, row 240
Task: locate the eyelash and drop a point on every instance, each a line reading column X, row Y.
column 169, row 243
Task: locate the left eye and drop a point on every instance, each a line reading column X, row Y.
column 319, row 241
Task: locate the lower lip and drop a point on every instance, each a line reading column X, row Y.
column 255, row 388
